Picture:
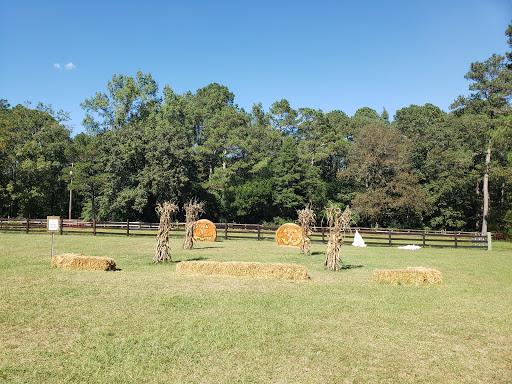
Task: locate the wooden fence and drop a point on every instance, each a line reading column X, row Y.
column 225, row 231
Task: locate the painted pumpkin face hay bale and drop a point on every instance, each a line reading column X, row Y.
column 79, row 261
column 410, row 275
column 289, row 234
column 205, row 230
column 252, row 270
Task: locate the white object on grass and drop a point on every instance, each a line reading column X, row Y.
column 358, row 240
column 411, row 247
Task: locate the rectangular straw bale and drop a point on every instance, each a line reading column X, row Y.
column 410, row 275
column 243, row 269
column 79, row 261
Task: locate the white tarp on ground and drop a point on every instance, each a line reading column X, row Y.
column 358, row 240
column 411, row 247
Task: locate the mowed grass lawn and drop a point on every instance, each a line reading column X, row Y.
column 145, row 324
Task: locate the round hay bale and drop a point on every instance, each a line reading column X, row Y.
column 205, row 230
column 289, row 234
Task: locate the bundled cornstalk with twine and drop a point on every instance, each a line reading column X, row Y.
column 167, row 212
column 338, row 223
column 306, row 219
column 192, row 211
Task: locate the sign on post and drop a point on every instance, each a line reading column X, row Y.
column 52, row 225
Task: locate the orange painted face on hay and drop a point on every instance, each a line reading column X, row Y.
column 205, row 230
column 289, row 234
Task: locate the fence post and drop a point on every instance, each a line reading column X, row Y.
column 489, row 241
column 61, row 229
column 94, row 227
column 423, row 239
column 390, row 242
column 27, row 229
column 226, row 231
column 127, row 227
column 259, row 232
column 455, row 238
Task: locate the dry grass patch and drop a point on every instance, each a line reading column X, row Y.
column 79, row 261
column 411, row 275
column 243, row 269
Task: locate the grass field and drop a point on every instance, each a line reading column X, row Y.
column 145, row 324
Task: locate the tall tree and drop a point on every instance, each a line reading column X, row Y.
column 127, row 99
column 389, row 193
column 32, row 145
column 492, row 86
column 87, row 169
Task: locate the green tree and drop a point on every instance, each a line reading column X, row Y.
column 87, row 170
column 127, row 99
column 32, row 145
column 283, row 118
column 492, row 86
column 389, row 193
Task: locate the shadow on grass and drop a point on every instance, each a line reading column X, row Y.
column 193, row 259
column 318, row 253
column 350, row 266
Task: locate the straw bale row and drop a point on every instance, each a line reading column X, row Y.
column 243, row 269
column 411, row 275
column 79, row 261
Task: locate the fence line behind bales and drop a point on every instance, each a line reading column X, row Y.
column 372, row 236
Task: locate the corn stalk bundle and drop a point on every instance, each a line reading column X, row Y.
column 167, row 212
column 192, row 211
column 338, row 223
column 306, row 219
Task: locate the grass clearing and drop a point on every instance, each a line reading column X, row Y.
column 144, row 323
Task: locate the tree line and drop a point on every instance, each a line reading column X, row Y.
column 424, row 169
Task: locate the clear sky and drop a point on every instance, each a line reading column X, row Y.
column 321, row 54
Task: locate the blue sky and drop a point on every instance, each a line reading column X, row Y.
column 321, row 54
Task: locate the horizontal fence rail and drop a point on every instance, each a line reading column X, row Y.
column 225, row 231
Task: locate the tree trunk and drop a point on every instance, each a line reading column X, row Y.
column 486, row 190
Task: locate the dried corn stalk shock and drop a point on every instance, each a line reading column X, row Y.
column 338, row 223
column 306, row 219
column 167, row 212
column 192, row 211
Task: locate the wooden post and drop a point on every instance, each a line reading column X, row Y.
column 27, row 229
column 423, row 239
column 127, row 227
column 61, row 229
column 259, row 232
column 323, row 235
column 94, row 227
column 389, row 235
column 489, row 241
column 455, row 238
column 226, row 231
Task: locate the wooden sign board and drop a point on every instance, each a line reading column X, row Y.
column 52, row 223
